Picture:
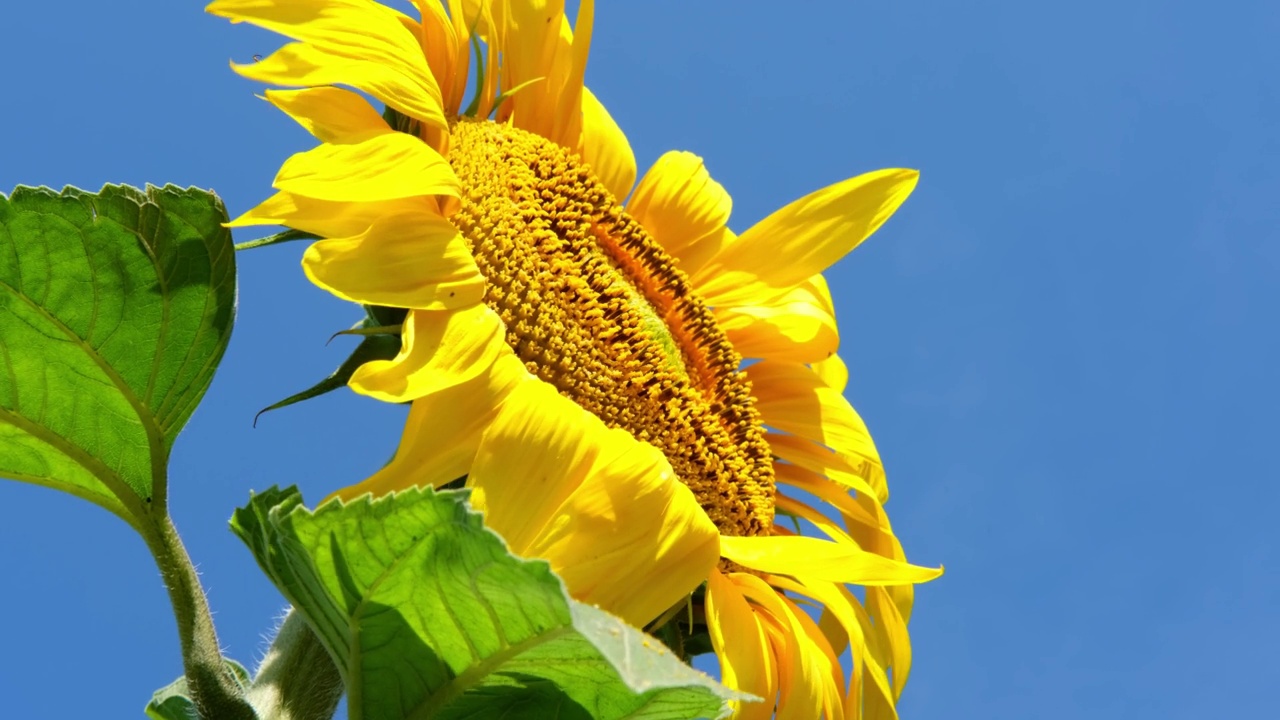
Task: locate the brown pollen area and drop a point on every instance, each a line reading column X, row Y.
column 594, row 306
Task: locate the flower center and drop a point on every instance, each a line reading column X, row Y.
column 594, row 306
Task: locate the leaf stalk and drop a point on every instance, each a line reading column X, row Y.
column 216, row 692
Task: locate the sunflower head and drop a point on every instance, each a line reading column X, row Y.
column 633, row 391
column 594, row 306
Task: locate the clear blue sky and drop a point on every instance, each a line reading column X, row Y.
column 1065, row 344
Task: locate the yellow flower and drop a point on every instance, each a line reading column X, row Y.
column 581, row 362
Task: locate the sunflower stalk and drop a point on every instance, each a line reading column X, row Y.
column 298, row 679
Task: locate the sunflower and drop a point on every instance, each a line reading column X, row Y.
column 632, row 391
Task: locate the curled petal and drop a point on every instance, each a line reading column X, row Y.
column 416, row 261
column 442, row 434
column 740, row 641
column 326, row 218
column 332, row 114
column 364, row 45
column 389, row 166
column 441, row 349
column 797, row 326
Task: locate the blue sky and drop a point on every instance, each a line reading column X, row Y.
column 1064, row 343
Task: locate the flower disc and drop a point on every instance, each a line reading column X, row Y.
column 595, row 307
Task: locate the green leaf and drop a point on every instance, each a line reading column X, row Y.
column 427, row 615
column 173, row 701
column 115, row 309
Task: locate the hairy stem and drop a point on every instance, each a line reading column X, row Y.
column 214, row 688
column 298, row 679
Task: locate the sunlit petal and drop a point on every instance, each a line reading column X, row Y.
column 363, row 45
column 810, row 234
column 602, row 507
column 415, row 260
column 390, row 166
column 441, row 348
column 821, row 560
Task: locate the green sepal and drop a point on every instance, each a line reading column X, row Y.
column 399, row 121
column 381, row 346
column 364, row 331
column 684, row 627
column 280, row 237
column 383, row 316
column 685, row 639
column 427, row 615
column 698, row 643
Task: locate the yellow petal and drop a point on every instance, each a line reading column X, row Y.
column 877, row 536
column 417, row 261
column 605, row 148
column 569, row 119
column 793, row 399
column 876, row 706
column 826, row 525
column 832, row 371
column 831, row 675
column 822, row 293
column 384, row 167
column 462, row 62
column 536, row 45
column 439, row 44
column 299, row 64
column 364, row 45
column 740, row 642
column 479, row 16
column 867, row 527
column 443, row 431
column 878, row 703
column 891, row 642
column 323, row 217
column 603, row 508
column 845, row 608
column 331, row 114
column 679, row 204
column 823, row 461
column 814, row 559
column 441, row 348
column 805, row 678
column 892, row 629
column 903, row 596
column 803, row 238
column 794, row 327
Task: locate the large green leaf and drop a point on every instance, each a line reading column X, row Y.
column 115, row 309
column 427, row 615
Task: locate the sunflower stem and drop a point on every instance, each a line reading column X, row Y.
column 298, row 679
column 213, row 687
